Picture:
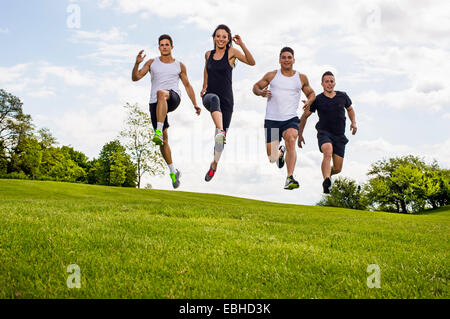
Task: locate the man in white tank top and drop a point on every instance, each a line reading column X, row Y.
column 283, row 99
column 165, row 95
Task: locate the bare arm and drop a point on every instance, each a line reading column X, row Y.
column 188, row 87
column 351, row 115
column 205, row 75
column 301, row 126
column 137, row 74
column 308, row 91
column 260, row 87
column 247, row 57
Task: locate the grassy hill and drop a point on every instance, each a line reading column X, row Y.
column 133, row 243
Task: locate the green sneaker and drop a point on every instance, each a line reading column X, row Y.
column 291, row 183
column 175, row 177
column 158, row 138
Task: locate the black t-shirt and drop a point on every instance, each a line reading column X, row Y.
column 331, row 112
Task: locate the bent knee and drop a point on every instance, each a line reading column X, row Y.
column 337, row 168
column 162, row 94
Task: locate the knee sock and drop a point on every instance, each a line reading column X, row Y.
column 218, row 149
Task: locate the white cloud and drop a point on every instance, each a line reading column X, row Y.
column 4, row 30
column 42, row 93
column 71, row 75
column 110, row 47
column 113, row 35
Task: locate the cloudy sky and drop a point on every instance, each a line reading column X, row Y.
column 70, row 62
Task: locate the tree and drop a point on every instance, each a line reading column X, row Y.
column 14, row 124
column 46, row 138
column 345, row 193
column 3, row 159
column 406, row 184
column 30, row 158
column 117, row 169
column 138, row 141
column 114, row 163
column 437, row 190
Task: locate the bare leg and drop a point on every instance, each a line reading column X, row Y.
column 165, row 148
column 290, row 137
column 337, row 164
column 217, row 118
column 161, row 107
column 327, row 150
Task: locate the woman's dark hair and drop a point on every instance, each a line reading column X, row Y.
column 227, row 29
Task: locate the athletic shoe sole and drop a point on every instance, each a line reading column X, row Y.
column 176, row 184
column 207, row 177
column 158, row 140
column 280, row 161
column 291, row 186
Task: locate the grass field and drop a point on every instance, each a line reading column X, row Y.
column 131, row 243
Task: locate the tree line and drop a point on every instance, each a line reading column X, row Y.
column 27, row 153
column 401, row 184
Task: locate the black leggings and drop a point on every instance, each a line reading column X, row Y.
column 212, row 103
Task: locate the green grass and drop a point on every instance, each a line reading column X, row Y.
column 133, row 243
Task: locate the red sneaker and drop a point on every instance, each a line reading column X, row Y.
column 210, row 174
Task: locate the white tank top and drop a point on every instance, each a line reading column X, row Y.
column 165, row 76
column 286, row 92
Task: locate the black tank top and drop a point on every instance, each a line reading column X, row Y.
column 220, row 79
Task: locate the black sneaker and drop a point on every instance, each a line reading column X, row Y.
column 291, row 183
column 280, row 160
column 326, row 185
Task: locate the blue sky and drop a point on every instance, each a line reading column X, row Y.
column 391, row 57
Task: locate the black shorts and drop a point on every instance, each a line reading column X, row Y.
column 274, row 129
column 338, row 142
column 213, row 103
column 172, row 104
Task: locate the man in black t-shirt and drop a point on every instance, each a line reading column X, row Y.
column 330, row 106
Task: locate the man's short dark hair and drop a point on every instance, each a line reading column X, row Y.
column 165, row 36
column 327, row 73
column 287, row 49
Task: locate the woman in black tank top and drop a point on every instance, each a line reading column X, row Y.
column 217, row 92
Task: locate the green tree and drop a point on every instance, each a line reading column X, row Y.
column 91, row 172
column 113, row 160
column 117, row 169
column 30, row 158
column 79, row 158
column 406, row 184
column 15, row 126
column 137, row 135
column 437, row 189
column 45, row 138
column 3, row 159
column 345, row 193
